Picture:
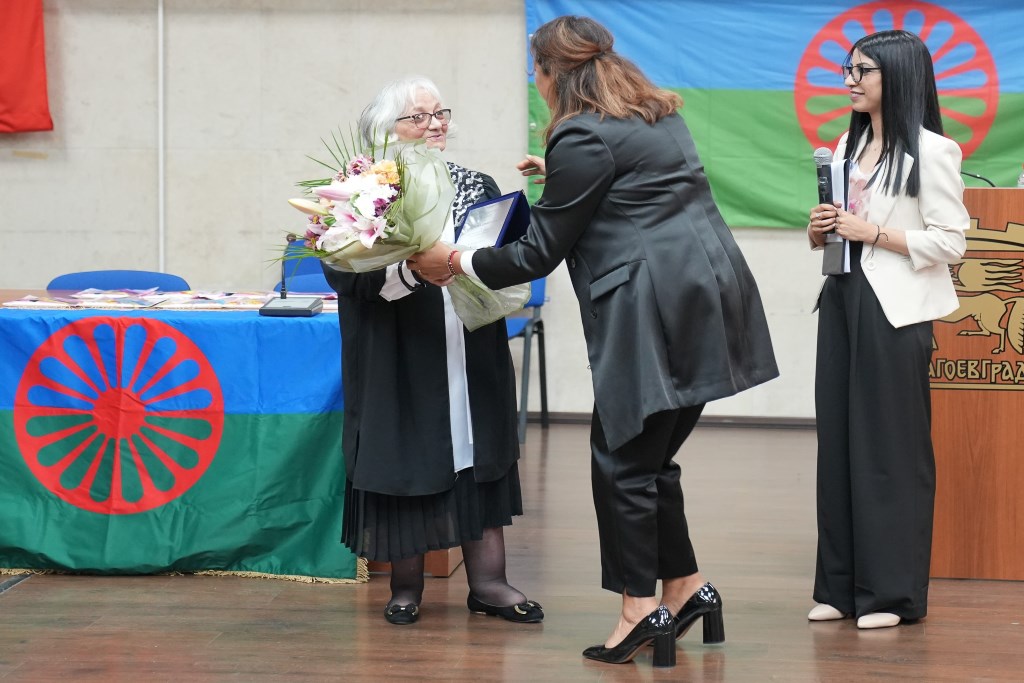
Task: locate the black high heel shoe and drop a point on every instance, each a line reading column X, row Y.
column 656, row 627
column 706, row 603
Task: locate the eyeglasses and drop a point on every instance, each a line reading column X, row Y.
column 856, row 71
column 422, row 120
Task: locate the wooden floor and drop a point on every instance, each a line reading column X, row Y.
column 750, row 502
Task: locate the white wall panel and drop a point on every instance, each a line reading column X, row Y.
column 250, row 87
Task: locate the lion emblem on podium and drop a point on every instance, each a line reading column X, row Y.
column 990, row 285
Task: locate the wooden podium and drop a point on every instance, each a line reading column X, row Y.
column 977, row 380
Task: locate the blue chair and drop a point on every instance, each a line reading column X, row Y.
column 305, row 265
column 314, row 283
column 304, row 273
column 119, row 279
column 527, row 327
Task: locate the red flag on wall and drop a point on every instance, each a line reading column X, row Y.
column 23, row 103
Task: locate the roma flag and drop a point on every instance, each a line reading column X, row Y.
column 178, row 441
column 761, row 86
column 23, row 103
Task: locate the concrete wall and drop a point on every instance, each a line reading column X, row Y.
column 248, row 88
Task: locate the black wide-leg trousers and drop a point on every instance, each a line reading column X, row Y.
column 639, row 504
column 876, row 468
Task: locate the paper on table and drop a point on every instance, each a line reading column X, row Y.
column 215, row 300
column 32, row 301
column 110, row 294
column 118, row 301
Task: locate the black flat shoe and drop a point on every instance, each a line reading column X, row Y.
column 401, row 615
column 706, row 603
column 528, row 612
column 656, row 627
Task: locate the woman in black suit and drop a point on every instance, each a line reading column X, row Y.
column 670, row 311
column 430, row 440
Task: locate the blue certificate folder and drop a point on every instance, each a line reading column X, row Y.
column 494, row 222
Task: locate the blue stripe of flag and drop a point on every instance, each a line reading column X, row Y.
column 757, row 45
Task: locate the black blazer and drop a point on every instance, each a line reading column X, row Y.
column 671, row 313
column 397, row 433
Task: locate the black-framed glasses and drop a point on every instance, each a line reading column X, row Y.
column 857, row 71
column 422, row 120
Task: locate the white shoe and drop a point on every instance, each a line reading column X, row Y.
column 821, row 612
column 878, row 620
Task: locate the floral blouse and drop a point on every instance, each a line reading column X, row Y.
column 859, row 199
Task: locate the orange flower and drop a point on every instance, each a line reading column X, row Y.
column 387, row 172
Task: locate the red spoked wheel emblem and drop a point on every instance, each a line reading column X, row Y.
column 965, row 71
column 118, row 415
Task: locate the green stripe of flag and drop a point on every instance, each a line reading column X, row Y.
column 760, row 163
column 271, row 501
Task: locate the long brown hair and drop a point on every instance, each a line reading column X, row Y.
column 589, row 77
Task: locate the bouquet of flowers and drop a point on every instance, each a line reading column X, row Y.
column 371, row 213
column 379, row 209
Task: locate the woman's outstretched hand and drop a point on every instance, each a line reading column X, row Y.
column 432, row 264
column 532, row 165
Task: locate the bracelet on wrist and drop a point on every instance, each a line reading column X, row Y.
column 412, row 288
column 451, row 262
column 879, row 233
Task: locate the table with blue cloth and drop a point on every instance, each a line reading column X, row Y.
column 137, row 442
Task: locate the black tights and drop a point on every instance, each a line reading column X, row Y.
column 485, row 572
column 407, row 581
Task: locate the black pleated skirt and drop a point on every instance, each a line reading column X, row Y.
column 385, row 528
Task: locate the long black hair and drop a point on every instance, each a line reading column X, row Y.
column 910, row 101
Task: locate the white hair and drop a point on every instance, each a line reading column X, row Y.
column 377, row 122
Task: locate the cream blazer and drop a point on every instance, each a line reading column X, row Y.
column 919, row 287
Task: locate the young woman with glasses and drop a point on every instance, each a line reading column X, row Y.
column 430, row 438
column 905, row 222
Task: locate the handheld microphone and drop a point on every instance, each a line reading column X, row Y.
column 823, row 160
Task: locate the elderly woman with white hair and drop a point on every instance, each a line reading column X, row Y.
column 430, row 440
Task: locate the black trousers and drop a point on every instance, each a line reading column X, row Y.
column 639, row 504
column 876, row 469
